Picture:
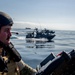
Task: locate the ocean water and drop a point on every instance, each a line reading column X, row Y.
column 34, row 52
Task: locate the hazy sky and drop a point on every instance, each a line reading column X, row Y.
column 53, row 14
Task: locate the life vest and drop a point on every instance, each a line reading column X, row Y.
column 12, row 67
column 8, row 58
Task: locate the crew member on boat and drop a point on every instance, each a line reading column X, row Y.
column 11, row 62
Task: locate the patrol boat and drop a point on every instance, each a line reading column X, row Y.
column 41, row 34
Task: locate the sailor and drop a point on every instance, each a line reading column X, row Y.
column 11, row 62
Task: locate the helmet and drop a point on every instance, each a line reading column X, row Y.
column 5, row 19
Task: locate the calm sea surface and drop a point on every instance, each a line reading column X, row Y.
column 34, row 52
